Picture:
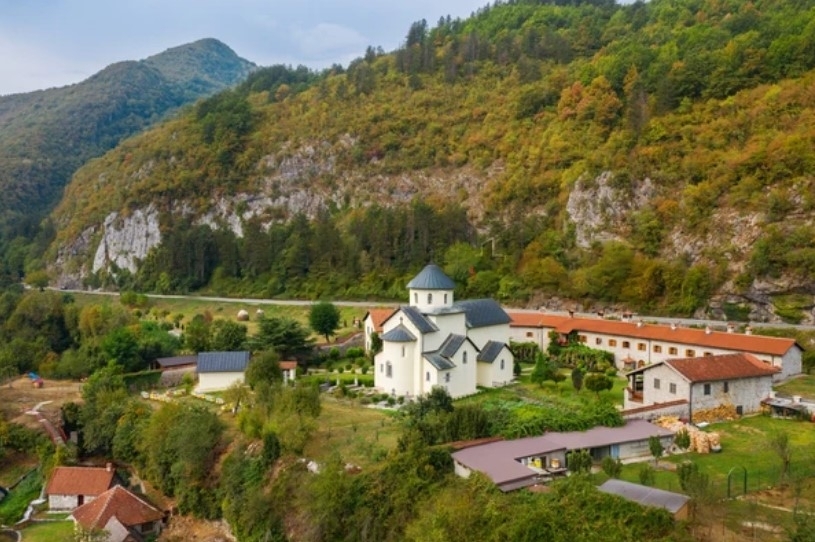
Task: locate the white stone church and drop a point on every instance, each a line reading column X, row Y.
column 435, row 341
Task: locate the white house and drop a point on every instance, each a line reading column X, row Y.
column 435, row 341
column 636, row 344
column 219, row 370
column 685, row 386
column 289, row 370
column 69, row 487
column 373, row 321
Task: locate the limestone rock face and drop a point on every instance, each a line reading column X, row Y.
column 127, row 239
column 599, row 207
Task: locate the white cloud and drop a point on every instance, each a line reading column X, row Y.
column 326, row 40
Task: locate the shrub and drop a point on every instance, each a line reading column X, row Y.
column 682, row 439
column 334, row 353
column 355, row 352
column 646, row 474
column 612, row 467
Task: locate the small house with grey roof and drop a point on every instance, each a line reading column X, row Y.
column 219, row 370
column 436, row 341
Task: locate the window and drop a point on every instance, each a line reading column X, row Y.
column 415, row 298
column 690, row 353
column 582, row 338
column 626, row 344
column 707, row 354
column 464, row 357
column 429, row 299
column 656, row 383
column 381, row 367
column 445, row 299
column 707, row 389
column 612, row 342
column 502, row 367
column 672, row 388
column 427, row 376
column 447, row 377
column 403, row 350
column 672, row 350
column 657, row 349
column 598, row 341
column 389, row 370
column 727, row 387
column 641, row 347
column 529, row 334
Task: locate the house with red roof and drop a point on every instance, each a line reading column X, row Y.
column 122, row 514
column 289, row 370
column 70, row 487
column 687, row 385
column 637, row 344
column 373, row 321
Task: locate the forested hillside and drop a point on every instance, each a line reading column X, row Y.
column 47, row 135
column 655, row 155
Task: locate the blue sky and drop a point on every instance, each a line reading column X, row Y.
column 48, row 43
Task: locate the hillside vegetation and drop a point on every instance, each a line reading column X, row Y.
column 657, row 155
column 47, row 135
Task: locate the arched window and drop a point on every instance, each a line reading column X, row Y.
column 429, row 299
column 445, row 299
column 427, row 376
column 415, row 298
column 389, row 370
column 464, row 357
column 403, row 350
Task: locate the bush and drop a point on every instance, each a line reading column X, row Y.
column 355, row 352
column 682, row 439
column 646, row 474
column 349, row 367
column 334, row 353
column 364, row 369
column 612, row 467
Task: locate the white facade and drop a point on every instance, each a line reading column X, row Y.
column 434, row 341
column 217, row 381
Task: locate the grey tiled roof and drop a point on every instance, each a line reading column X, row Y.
column 490, row 351
column 418, row 319
column 222, row 362
column 177, row 361
column 432, row 278
column 438, row 361
column 483, row 312
column 451, row 344
column 399, row 334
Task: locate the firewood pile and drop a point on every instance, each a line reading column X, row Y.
column 721, row 413
column 700, row 441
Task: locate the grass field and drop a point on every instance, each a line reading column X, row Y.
column 360, row 435
column 49, row 531
column 188, row 307
column 803, row 385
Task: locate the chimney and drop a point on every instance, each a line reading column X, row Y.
column 730, row 327
column 708, row 331
column 109, row 467
column 673, row 326
column 571, row 313
column 748, row 330
column 640, row 323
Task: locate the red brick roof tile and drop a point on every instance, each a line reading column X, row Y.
column 79, row 481
column 535, row 319
column 725, row 367
column 117, row 502
column 378, row 317
column 287, row 365
column 776, row 346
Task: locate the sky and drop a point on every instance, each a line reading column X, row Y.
column 52, row 43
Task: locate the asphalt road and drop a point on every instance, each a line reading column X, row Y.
column 299, row 302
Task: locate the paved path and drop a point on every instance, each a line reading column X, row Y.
column 364, row 304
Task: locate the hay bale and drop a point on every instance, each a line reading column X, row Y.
column 243, row 316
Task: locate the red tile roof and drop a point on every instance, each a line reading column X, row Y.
column 288, row 365
column 726, row 367
column 79, row 481
column 117, row 502
column 378, row 317
column 776, row 346
column 535, row 319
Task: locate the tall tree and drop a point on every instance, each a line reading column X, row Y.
column 324, row 319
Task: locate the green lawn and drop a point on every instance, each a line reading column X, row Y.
column 166, row 309
column 361, row 435
column 564, row 391
column 49, row 531
column 745, row 445
column 803, row 385
column 13, row 506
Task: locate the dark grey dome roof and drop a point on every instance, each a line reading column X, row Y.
column 432, row 278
